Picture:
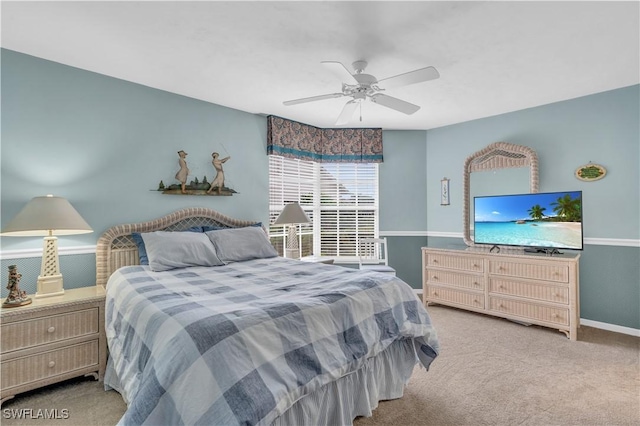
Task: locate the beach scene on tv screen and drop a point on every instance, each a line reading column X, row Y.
column 552, row 220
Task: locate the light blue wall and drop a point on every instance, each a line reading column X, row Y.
column 403, row 196
column 104, row 144
column 603, row 128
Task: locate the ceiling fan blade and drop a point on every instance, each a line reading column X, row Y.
column 340, row 71
column 313, row 98
column 347, row 113
column 412, row 77
column 394, row 103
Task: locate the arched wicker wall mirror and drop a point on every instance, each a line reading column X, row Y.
column 517, row 168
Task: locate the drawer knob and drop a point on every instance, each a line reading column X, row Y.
column 500, row 287
column 51, row 329
column 476, row 301
column 52, row 364
column 435, row 293
column 435, row 277
column 435, row 260
column 554, row 315
column 475, row 283
column 500, row 305
column 475, row 265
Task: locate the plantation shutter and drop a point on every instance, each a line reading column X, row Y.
column 341, row 199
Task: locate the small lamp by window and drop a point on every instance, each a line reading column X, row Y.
column 47, row 216
column 291, row 215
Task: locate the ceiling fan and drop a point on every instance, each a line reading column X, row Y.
column 361, row 86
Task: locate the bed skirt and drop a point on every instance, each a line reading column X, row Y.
column 382, row 377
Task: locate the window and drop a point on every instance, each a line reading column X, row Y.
column 341, row 199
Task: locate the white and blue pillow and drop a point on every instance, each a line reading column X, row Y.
column 202, row 246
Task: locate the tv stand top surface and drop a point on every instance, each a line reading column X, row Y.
column 547, row 251
column 505, row 250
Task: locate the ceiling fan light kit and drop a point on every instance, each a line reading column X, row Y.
column 361, row 86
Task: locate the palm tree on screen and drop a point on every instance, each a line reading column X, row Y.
column 536, row 212
column 568, row 208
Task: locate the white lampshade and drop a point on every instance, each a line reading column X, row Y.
column 291, row 214
column 47, row 216
column 44, row 216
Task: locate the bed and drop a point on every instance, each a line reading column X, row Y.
column 255, row 338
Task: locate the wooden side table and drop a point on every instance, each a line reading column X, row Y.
column 51, row 340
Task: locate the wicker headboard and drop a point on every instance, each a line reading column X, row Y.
column 116, row 247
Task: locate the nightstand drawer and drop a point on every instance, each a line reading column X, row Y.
column 39, row 331
column 21, row 371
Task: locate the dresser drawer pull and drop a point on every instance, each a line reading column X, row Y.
column 435, row 277
column 51, row 329
column 501, row 268
column 435, row 260
column 475, row 265
column 476, row 301
column 435, row 293
column 554, row 315
column 52, row 364
column 476, row 283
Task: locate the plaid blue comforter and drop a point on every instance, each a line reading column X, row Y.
column 240, row 343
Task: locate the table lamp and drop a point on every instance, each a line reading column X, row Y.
column 47, row 216
column 291, row 215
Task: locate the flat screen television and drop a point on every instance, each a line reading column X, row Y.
column 540, row 222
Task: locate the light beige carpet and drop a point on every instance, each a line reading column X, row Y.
column 490, row 372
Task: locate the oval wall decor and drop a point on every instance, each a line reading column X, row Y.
column 590, row 172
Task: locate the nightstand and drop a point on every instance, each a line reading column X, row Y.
column 317, row 259
column 51, row 340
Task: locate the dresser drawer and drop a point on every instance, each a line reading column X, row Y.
column 474, row 300
column 39, row 331
column 20, row 371
column 533, row 311
column 536, row 271
column 455, row 279
column 461, row 263
column 530, row 290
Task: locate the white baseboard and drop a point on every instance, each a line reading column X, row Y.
column 611, row 327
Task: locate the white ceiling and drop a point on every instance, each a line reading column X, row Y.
column 493, row 57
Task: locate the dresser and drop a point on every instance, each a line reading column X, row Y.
column 529, row 288
column 52, row 339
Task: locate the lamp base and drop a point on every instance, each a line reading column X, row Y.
column 50, row 286
column 292, row 253
column 293, row 250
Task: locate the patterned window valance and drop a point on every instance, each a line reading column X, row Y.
column 297, row 140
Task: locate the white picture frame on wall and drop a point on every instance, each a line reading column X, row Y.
column 444, row 192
